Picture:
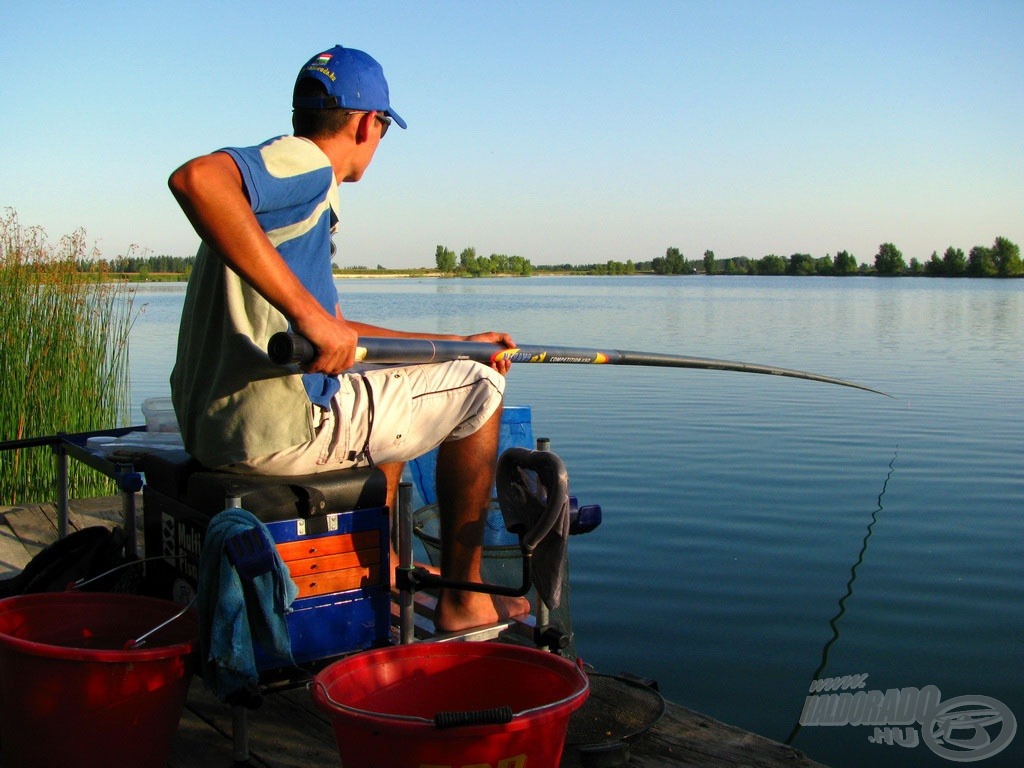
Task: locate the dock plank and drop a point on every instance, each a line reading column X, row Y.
column 13, row 554
column 26, row 529
column 34, row 526
column 197, row 743
column 285, row 732
column 687, row 739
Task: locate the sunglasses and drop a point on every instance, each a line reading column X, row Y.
column 385, row 121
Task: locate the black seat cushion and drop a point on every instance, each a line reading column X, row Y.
column 269, row 498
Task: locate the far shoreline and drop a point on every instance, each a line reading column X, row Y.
column 179, row 277
column 138, row 278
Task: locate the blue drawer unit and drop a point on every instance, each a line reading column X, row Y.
column 331, row 530
column 342, row 576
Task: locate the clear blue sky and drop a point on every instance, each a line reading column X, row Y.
column 562, row 132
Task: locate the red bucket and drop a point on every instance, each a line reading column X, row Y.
column 451, row 704
column 72, row 696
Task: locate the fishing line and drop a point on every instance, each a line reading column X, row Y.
column 834, row 621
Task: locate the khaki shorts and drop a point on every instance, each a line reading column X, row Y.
column 390, row 414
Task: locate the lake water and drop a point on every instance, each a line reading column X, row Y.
column 762, row 532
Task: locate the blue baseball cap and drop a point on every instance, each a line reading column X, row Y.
column 353, row 79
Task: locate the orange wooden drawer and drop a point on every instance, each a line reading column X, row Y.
column 311, row 566
column 328, row 545
column 337, row 581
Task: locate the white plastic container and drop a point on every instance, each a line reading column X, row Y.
column 159, row 413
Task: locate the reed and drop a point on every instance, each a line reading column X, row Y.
column 63, row 356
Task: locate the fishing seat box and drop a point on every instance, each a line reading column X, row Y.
column 331, row 530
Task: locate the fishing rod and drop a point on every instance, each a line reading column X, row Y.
column 63, row 437
column 287, row 348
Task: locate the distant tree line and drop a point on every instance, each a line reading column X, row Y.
column 469, row 264
column 796, row 264
column 672, row 263
column 141, row 265
column 1002, row 259
column 610, row 267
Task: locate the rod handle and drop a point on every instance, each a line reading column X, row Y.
column 286, row 348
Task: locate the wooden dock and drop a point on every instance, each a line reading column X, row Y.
column 287, row 731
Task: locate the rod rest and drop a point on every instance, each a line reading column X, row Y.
column 268, row 497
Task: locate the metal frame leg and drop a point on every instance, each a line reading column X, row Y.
column 406, row 615
column 128, row 510
column 62, row 492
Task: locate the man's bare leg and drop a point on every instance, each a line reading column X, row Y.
column 465, row 476
column 393, row 473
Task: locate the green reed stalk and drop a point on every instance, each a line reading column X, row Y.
column 64, row 356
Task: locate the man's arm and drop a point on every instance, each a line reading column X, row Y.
column 210, row 191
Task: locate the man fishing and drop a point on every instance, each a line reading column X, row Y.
column 266, row 215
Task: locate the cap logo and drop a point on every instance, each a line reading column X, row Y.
column 315, row 67
column 323, row 59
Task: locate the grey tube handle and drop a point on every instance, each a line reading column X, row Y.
column 494, row 716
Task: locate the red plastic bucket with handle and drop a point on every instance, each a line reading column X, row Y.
column 72, row 695
column 451, row 704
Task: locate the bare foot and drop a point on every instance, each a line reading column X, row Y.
column 457, row 610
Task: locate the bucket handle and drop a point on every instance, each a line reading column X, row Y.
column 322, row 690
column 496, row 715
column 138, row 642
column 137, row 561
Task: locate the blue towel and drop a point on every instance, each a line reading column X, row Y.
column 228, row 621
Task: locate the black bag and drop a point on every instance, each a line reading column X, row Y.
column 83, row 554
